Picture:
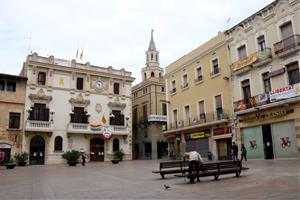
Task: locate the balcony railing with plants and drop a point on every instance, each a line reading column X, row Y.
column 201, row 119
column 251, row 102
column 286, row 44
column 253, row 58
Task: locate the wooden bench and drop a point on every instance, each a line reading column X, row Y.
column 172, row 167
column 215, row 169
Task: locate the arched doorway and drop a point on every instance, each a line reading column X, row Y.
column 37, row 150
column 97, row 149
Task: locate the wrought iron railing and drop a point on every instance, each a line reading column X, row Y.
column 287, row 44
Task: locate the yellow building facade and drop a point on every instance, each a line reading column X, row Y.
column 199, row 101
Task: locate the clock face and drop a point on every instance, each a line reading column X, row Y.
column 99, row 85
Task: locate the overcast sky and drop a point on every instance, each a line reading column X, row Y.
column 113, row 32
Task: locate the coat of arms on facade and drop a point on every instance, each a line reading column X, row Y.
column 98, row 108
column 253, row 144
column 285, row 142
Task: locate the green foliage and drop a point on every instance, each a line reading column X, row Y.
column 118, row 155
column 11, row 161
column 21, row 157
column 71, row 155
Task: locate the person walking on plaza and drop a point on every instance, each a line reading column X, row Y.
column 83, row 156
column 195, row 160
column 234, row 151
column 243, row 153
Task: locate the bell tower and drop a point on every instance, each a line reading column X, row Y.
column 152, row 68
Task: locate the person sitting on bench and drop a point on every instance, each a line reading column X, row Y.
column 194, row 164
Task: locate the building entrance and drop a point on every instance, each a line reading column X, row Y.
column 267, row 140
column 162, row 149
column 37, row 150
column 97, row 149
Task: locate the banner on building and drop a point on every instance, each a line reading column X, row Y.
column 285, row 92
column 157, row 118
column 61, row 62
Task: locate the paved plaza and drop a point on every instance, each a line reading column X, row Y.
column 266, row 179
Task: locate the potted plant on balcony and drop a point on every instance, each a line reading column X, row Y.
column 10, row 164
column 21, row 158
column 118, row 156
column 71, row 157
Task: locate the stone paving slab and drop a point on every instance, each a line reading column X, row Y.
column 266, row 179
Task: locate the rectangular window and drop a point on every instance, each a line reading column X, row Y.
column 286, row 30
column 164, row 109
column 41, row 78
column 216, row 68
column 116, row 88
column 39, row 112
column 173, row 86
column 267, row 82
column 219, row 108
column 186, row 112
column 145, row 112
column 79, row 83
column 135, row 115
column 117, row 118
column 261, row 43
column 246, row 89
column 79, row 116
column 162, row 89
column 185, row 81
column 14, row 120
column 242, row 52
column 175, row 115
column 293, row 73
column 2, row 85
column 11, row 86
column 199, row 74
column 201, row 110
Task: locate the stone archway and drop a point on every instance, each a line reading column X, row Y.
column 37, row 150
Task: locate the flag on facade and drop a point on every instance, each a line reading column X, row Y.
column 81, row 55
column 103, row 120
column 77, row 54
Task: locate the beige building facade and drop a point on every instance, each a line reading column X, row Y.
column 70, row 105
column 199, row 101
column 12, row 101
column 150, row 109
column 264, row 51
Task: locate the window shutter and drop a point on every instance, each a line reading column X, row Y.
column 218, row 101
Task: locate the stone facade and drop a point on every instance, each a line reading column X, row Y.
column 70, row 105
column 150, row 109
column 12, row 101
column 264, row 51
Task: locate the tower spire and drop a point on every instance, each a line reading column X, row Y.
column 152, row 44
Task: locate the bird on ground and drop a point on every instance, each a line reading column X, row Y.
column 167, row 187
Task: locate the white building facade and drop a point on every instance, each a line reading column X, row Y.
column 70, row 105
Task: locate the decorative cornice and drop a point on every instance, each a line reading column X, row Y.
column 116, row 104
column 79, row 100
column 40, row 96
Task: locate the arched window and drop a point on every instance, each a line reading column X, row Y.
column 159, row 74
column 116, row 146
column 58, row 143
column 152, row 74
column 145, row 76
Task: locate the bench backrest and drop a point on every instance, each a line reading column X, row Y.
column 173, row 164
column 220, row 165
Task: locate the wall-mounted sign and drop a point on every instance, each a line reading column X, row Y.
column 223, row 130
column 265, row 115
column 157, row 118
column 62, row 62
column 244, row 62
column 276, row 72
column 285, row 92
column 196, row 135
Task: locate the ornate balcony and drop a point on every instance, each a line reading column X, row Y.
column 40, row 126
column 252, row 102
column 92, row 129
column 256, row 59
column 287, row 46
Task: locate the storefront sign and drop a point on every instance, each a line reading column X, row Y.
column 244, row 62
column 5, row 146
column 157, row 118
column 266, row 115
column 62, row 62
column 285, row 92
column 223, row 130
column 199, row 135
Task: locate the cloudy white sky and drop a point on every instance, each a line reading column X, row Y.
column 114, row 32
